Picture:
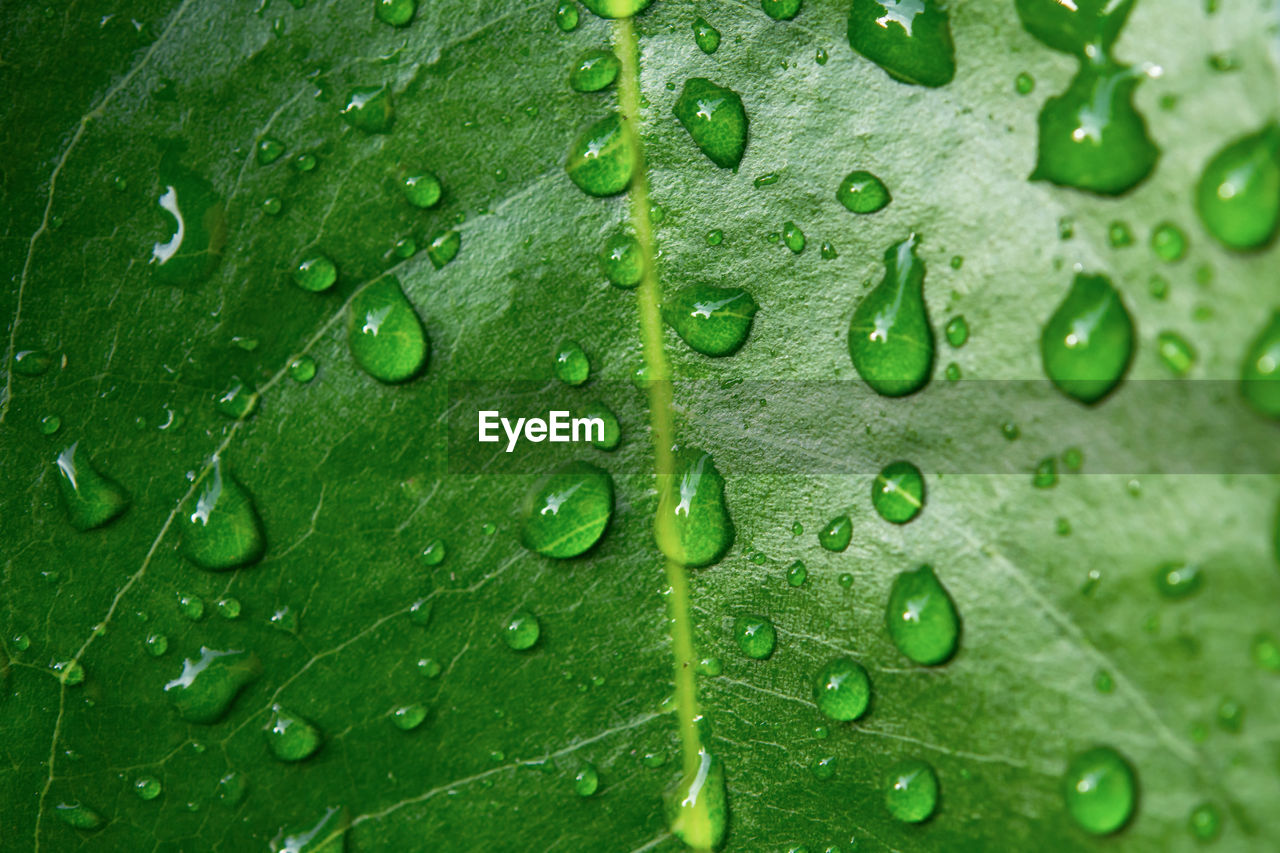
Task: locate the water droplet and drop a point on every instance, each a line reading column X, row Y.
column 304, row 162
column 522, row 630
column 222, row 531
column 1168, row 242
column 793, row 237
column 420, row 612
column 1260, row 376
column 32, row 362
column 369, row 109
column 622, row 260
column 593, row 71
column 755, row 635
column 693, row 526
column 385, row 334
column 837, row 533
column 567, row 512
column 327, row 835
column 430, row 667
column 1087, row 344
column 715, row 118
column 78, row 816
column 911, row 790
column 1265, row 651
column 302, row 369
column 198, row 230
column 1176, row 352
column 697, row 808
column 898, row 492
column 91, row 498
column 612, row 435
column 147, row 787
column 405, row 247
column 1046, row 474
column 156, row 644
column 711, row 666
column 228, row 608
column 422, row 190
column 316, row 274
column 587, row 781
column 291, row 737
column 616, row 8
column 705, row 36
column 205, row 689
column 1103, row 682
column 1230, row 715
column 567, row 16
column 909, row 39
column 1204, row 822
column 1024, row 83
column 957, row 331
column 781, row 10
column 765, row 180
column 272, row 205
column 409, row 717
column 921, row 617
column 823, row 768
column 239, row 401
column 602, row 158
column 797, row 574
column 1119, row 235
column 890, row 339
column 443, row 247
column 572, row 365
column 842, row 690
column 1238, row 195
column 434, row 553
column 397, row 13
column 714, row 321
column 269, row 150
column 1100, row 790
column 862, row 192
column 70, row 672
column 191, row 606
column 715, row 237
column 1178, row 580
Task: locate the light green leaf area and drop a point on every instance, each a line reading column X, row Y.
column 115, row 108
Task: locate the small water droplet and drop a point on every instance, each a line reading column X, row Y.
column 1230, row 715
column 1265, row 651
column 522, row 630
column 304, row 162
column 957, row 331
column 572, row 366
column 587, row 780
column 409, row 717
column 1178, row 580
column 207, row 686
column 1168, row 242
column 755, row 636
column 228, row 608
column 1024, row 83
column 797, row 574
column 567, row 16
column 302, row 369
column 316, row 274
column 862, row 192
column 422, row 190
column 693, row 526
column 238, row 401
column 326, row 835
column 156, row 644
column 369, row 109
column 705, row 36
column 842, row 690
column 222, row 529
column 594, row 70
column 269, row 150
column 715, row 118
column 147, row 787
column 612, row 434
column 1260, row 374
column 397, row 13
column 291, row 737
column 79, row 816
column 820, row 56
column 911, row 790
column 836, row 534
column 70, row 672
column 601, row 158
column 713, row 320
column 1100, row 790
column 1103, row 682
column 898, row 492
column 90, row 497
column 793, row 237
column 909, row 39
column 567, row 512
column 1204, row 822
column 1046, row 474
column 921, row 617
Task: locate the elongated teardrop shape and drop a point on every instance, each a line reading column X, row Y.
column 1260, row 375
column 602, row 158
column 715, row 118
column 91, row 498
column 693, row 526
column 567, row 512
column 890, row 339
column 222, row 529
column 196, row 226
column 385, row 334
column 1238, row 196
column 712, row 320
column 910, row 39
column 205, row 689
column 1087, row 344
column 921, row 617
column 697, row 808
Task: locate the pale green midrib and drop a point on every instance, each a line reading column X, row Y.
column 648, row 297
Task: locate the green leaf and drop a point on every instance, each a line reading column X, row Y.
column 372, row 650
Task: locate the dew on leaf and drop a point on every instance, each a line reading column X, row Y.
column 1260, row 374
column 272, row 205
column 385, row 334
column 911, row 790
column 326, row 835
column 191, row 606
column 1103, row 682
column 862, row 192
column 1087, row 343
column 302, row 369
column 198, row 230
column 1119, row 234
column 602, row 158
column 567, row 16
column 396, row 13
column 1100, row 789
column 715, row 118
column 1176, row 352
column 285, row 619
column 793, row 237
column 1238, row 194
column 921, row 617
column 269, row 150
column 957, row 331
column 612, row 433
column 434, row 553
column 781, row 10
column 755, row 636
column 567, row 511
column 1178, row 580
column 715, row 237
column 1024, row 83
column 239, row 401
column 369, row 109
column 572, row 367
column 315, row 273
column 705, row 36
column 711, row 666
column 1168, row 242
column 228, row 608
column 890, row 339
column 90, row 497
column 616, row 8
column 291, row 737
column 823, row 768
column 909, row 39
column 765, row 180
column 70, row 672
column 713, row 320
column 594, row 70
column 409, row 717
column 304, row 162
column 693, row 526
column 522, row 630
column 206, row 687
column 430, row 667
column 1230, row 715
column 1204, row 822
column 1265, row 651
column 1077, row 27
column 1046, row 474
column 828, row 251
column 222, row 530
column 898, row 492
column 797, row 574
column 820, row 56
column 405, row 247
column 420, row 612
column 842, row 690
column 443, row 246
column 79, row 816
column 156, row 644
column 147, row 787
column 622, row 260
column 836, row 534
column 697, row 808
column 421, row 190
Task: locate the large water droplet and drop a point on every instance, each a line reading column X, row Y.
column 197, row 230
column 898, row 492
column 315, row 273
column 385, row 333
column 697, row 808
column 1260, row 374
column 836, row 534
column 422, row 190
column 705, row 36
column 369, row 109
column 79, row 816
column 842, row 690
column 910, row 39
column 326, row 835
column 693, row 526
column 91, row 498
column 1100, row 790
column 31, row 362
column 290, row 736
column 755, row 636
column 911, row 790
column 890, row 339
column 593, row 71
column 1087, row 344
column 1077, row 27
column 222, row 530
column 713, row 320
column 715, row 118
column 921, row 617
column 567, row 512
column 203, row 693
column 1238, row 196
column 396, row 13
column 781, row 10
column 602, row 158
